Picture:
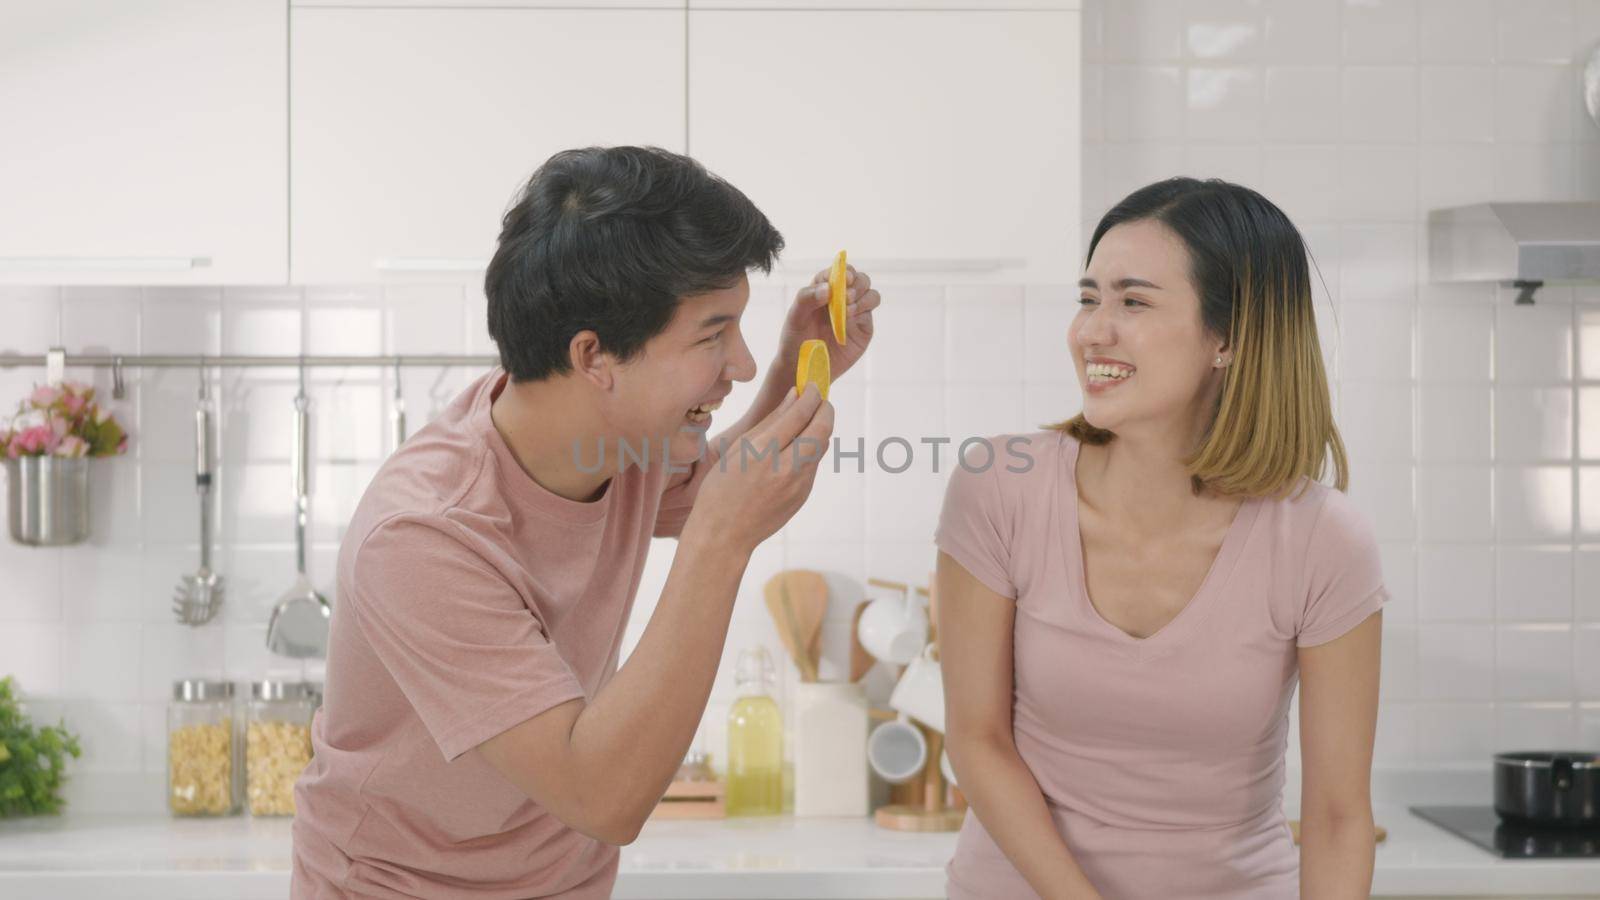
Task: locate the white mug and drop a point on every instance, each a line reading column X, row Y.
column 920, row 691
column 897, row 751
column 894, row 630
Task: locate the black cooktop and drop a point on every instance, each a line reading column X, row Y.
column 1482, row 826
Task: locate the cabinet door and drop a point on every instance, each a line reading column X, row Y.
column 923, row 142
column 143, row 142
column 511, row 4
column 984, row 5
column 413, row 129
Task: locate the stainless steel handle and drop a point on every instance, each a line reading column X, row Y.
column 302, row 500
column 202, row 447
column 302, row 446
column 202, row 479
column 397, row 416
column 85, row 263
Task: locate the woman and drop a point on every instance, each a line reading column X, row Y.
column 1124, row 620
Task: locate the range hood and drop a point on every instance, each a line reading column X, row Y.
column 1521, row 244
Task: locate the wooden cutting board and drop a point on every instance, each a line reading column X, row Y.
column 1294, row 826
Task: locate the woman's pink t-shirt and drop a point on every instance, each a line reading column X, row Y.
column 1161, row 759
column 470, row 600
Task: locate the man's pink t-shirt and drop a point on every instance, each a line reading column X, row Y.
column 1161, row 759
column 470, row 599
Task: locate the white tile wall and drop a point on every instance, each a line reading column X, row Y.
column 1471, row 422
column 88, row 630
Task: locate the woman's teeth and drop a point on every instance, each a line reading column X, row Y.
column 1106, row 372
column 702, row 413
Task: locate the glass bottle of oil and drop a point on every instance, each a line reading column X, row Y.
column 755, row 740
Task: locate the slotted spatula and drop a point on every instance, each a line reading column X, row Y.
column 299, row 624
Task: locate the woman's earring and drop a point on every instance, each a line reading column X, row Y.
column 1219, row 360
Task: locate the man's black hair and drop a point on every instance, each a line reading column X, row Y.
column 610, row 239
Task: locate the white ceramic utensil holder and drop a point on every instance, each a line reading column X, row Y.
column 830, row 750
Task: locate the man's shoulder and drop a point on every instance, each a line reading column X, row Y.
column 419, row 485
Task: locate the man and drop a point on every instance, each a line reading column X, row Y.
column 478, row 737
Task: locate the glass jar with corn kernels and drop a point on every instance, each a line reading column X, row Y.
column 277, row 744
column 204, row 771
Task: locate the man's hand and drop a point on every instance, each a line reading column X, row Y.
column 808, row 318
column 763, row 476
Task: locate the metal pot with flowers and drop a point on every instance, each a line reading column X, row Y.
column 46, row 448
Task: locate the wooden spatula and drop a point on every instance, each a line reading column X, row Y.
column 808, row 591
column 781, row 609
column 798, row 602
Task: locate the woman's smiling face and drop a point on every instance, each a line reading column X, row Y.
column 1138, row 343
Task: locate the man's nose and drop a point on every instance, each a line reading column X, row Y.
column 742, row 365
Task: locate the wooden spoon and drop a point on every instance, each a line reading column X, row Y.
column 783, row 618
column 932, row 606
column 798, row 601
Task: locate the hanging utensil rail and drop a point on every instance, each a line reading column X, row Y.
column 12, row 361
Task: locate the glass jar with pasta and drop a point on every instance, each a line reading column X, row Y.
column 203, row 752
column 277, row 744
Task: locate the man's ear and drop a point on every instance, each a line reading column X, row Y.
column 590, row 362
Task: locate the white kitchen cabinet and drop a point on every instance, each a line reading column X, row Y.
column 413, row 129
column 932, row 144
column 500, row 4
column 710, row 4
column 984, row 5
column 143, row 141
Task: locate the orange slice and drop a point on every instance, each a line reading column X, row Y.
column 837, row 298
column 813, row 368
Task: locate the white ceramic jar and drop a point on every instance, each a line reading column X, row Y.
column 830, row 749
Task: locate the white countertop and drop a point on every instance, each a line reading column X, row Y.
column 243, row 858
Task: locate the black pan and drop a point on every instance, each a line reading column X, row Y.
column 1548, row 788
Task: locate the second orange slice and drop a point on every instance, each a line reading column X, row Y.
column 837, row 297
column 813, row 367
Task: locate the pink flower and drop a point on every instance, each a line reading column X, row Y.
column 28, row 419
column 63, row 420
column 36, row 440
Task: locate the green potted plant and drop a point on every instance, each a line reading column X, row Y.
column 46, row 447
column 32, row 760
